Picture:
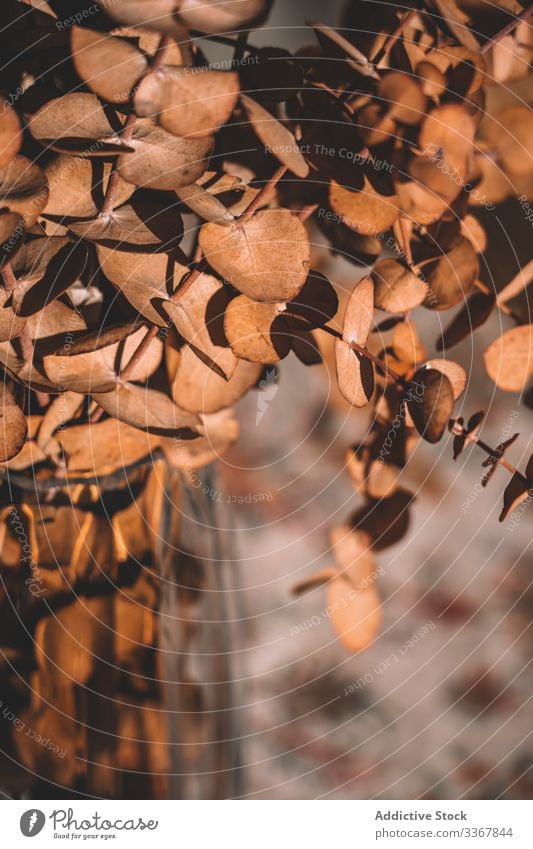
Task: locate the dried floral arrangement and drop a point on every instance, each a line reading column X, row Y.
column 128, row 333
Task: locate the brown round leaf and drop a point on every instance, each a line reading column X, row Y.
column 149, row 410
column 13, row 426
column 315, row 304
column 162, row 161
column 266, row 258
column 140, row 225
column 454, row 372
column 402, row 97
column 199, row 389
column 407, row 345
column 277, row 139
column 386, row 520
column 256, row 332
column 205, row 204
column 45, row 268
column 474, row 314
column 359, row 314
column 198, row 316
column 144, row 279
column 509, row 359
column 158, row 15
column 214, row 16
column 77, row 123
column 188, row 102
column 355, row 374
column 110, row 66
column 430, row 403
column 354, row 560
column 397, row 289
column 104, row 446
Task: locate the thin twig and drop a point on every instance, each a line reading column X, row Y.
column 364, row 352
column 393, row 37
column 269, row 186
column 507, row 29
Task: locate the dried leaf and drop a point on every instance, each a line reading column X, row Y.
column 402, row 97
column 204, row 204
column 266, row 258
column 144, row 279
column 359, row 314
column 306, row 347
column 216, row 16
column 77, row 187
column 385, row 521
column 198, row 316
column 366, row 211
column 354, row 560
column 149, row 410
column 188, row 102
column 158, row 15
column 277, row 138
column 199, row 389
column 451, row 276
column 454, row 372
column 77, row 123
column 407, row 345
column 61, row 410
column 110, row 66
column 162, row 161
column 91, row 364
column 45, row 268
column 516, row 491
column 328, row 38
column 104, row 446
column 13, row 426
column 355, row 374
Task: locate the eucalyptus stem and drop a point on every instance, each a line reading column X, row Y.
column 507, row 29
column 364, row 352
